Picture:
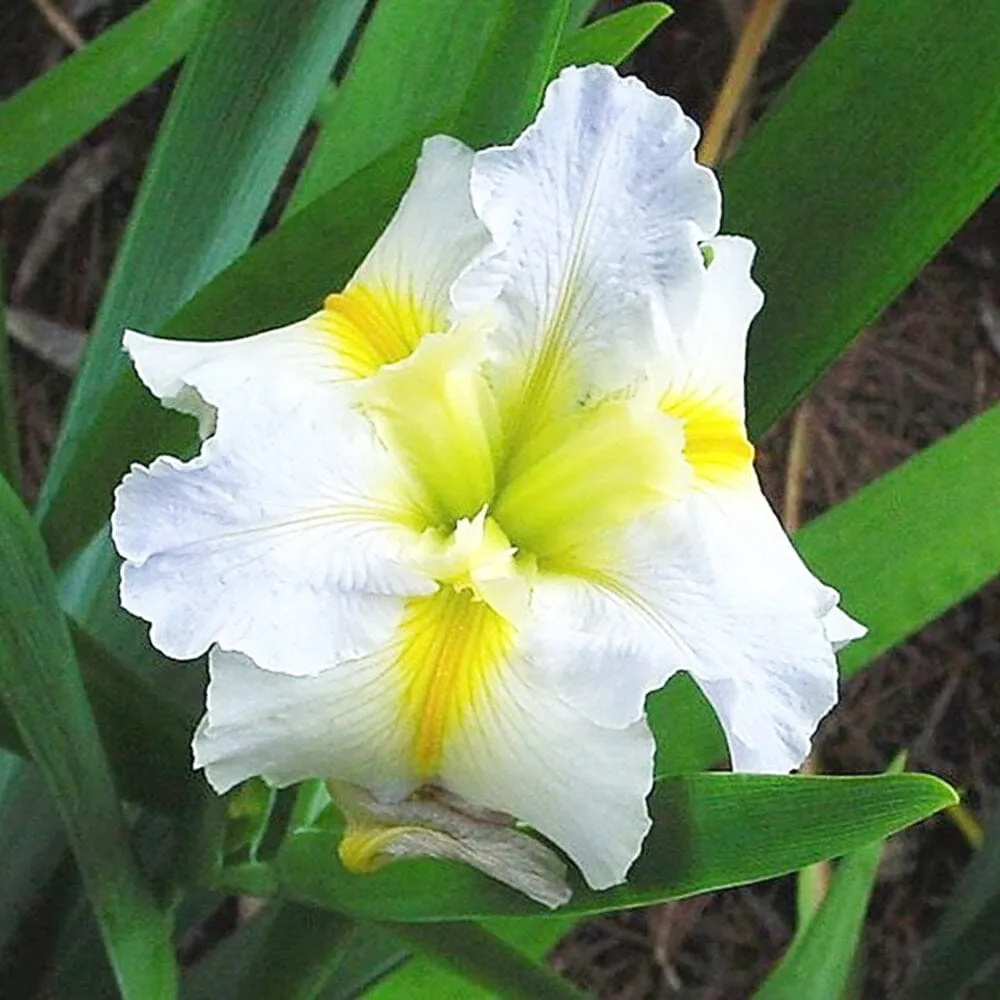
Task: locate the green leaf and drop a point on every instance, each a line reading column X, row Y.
column 579, row 11
column 915, row 542
column 146, row 735
column 965, row 946
column 818, row 964
column 41, row 686
column 244, row 96
column 422, row 68
column 10, row 458
column 858, row 175
column 294, row 958
column 289, row 951
column 522, row 52
column 371, row 954
column 614, row 38
column 821, row 957
column 483, row 958
column 688, row 735
column 784, row 823
column 32, row 844
column 76, row 95
column 423, row 977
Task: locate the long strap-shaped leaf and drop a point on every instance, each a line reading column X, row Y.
column 613, row 38
column 55, row 110
column 293, row 952
column 40, row 683
column 875, row 153
column 422, row 976
column 822, row 955
column 400, row 80
column 935, row 517
column 966, row 942
column 245, row 94
column 10, row 462
column 709, row 831
column 146, row 737
column 481, row 957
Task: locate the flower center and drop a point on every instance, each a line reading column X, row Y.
column 477, row 558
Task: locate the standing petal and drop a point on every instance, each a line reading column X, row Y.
column 701, row 367
column 595, row 212
column 431, row 238
column 400, row 292
column 706, row 358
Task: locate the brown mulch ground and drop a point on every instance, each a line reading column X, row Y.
column 923, row 369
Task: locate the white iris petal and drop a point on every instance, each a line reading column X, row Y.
column 448, row 533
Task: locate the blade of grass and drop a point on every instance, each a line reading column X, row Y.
column 399, row 79
column 612, row 39
column 421, row 976
column 819, row 962
column 785, row 823
column 936, row 516
column 244, row 96
column 965, row 945
column 847, row 206
column 40, row 683
column 319, row 964
column 76, row 95
column 480, row 957
column 10, row 458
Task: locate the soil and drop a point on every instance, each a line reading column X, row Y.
column 925, row 367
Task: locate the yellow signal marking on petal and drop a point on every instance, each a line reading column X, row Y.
column 451, row 646
column 375, row 326
column 582, row 478
column 715, row 438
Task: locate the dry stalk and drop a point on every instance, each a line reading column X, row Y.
column 60, row 23
column 757, row 31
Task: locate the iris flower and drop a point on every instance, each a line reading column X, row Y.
column 446, row 534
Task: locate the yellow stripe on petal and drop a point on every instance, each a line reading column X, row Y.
column 372, row 327
column 451, row 646
column 715, row 438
